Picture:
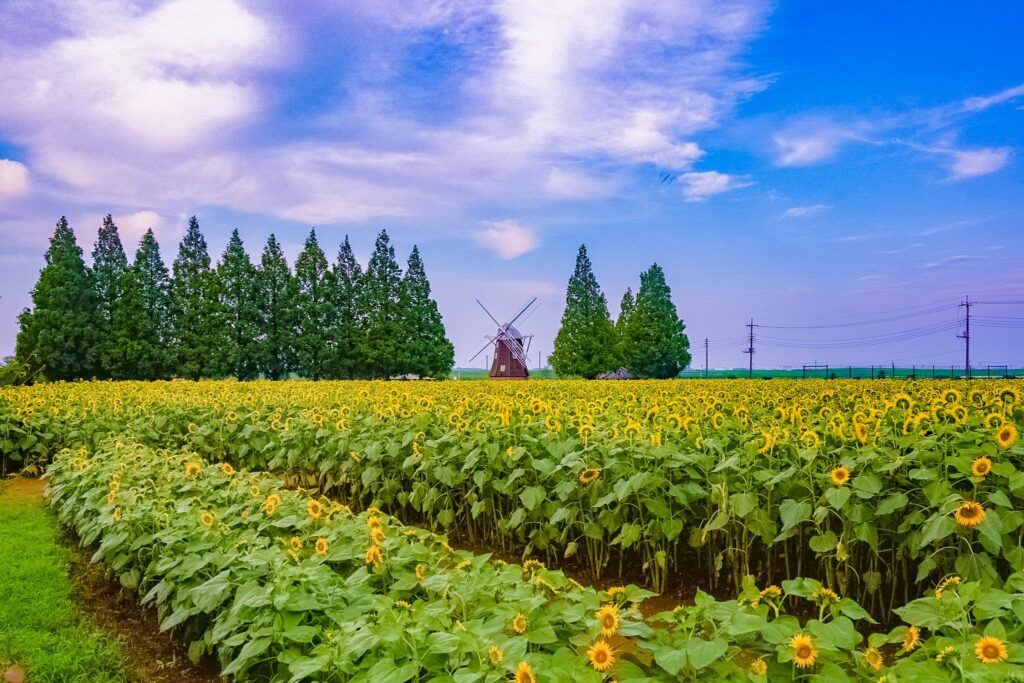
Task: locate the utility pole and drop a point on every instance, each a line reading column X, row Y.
column 966, row 336
column 705, row 357
column 750, row 349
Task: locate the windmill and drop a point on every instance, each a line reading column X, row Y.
column 510, row 353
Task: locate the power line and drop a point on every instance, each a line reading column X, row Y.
column 860, row 323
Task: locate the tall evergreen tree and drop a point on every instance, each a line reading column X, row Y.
column 428, row 352
column 277, row 297
column 314, row 309
column 58, row 339
column 155, row 289
column 380, row 305
column 586, row 342
column 626, row 307
column 108, row 265
column 346, row 333
column 133, row 349
column 238, row 288
column 199, row 337
column 654, row 340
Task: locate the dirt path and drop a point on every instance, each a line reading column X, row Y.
column 149, row 656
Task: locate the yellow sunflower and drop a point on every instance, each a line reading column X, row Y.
column 840, row 476
column 970, row 514
column 373, row 555
column 524, row 673
column 759, row 667
column 271, row 503
column 519, row 623
column 608, row 617
column 601, row 656
column 590, row 474
column 873, row 657
column 944, row 584
column 912, row 639
column 227, row 469
column 314, row 508
column 990, row 650
column 804, row 652
column 1006, row 435
column 206, row 519
column 322, row 546
column 981, row 466
column 192, row 469
column 496, row 655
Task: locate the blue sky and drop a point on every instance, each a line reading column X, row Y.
column 805, row 164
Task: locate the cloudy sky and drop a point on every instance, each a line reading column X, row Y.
column 842, row 173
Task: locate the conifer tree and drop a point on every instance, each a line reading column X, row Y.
column 654, row 340
column 626, row 307
column 237, row 287
column 586, row 342
column 380, row 306
column 314, row 310
column 155, row 289
column 346, row 333
column 428, row 352
column 134, row 350
column 199, row 337
column 58, row 337
column 108, row 265
column 277, row 298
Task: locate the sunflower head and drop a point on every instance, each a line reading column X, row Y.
column 608, row 618
column 840, row 476
column 1006, row 435
column 589, row 474
column 206, row 519
column 873, row 658
column 970, row 514
column 519, row 623
column 804, row 652
column 990, row 650
column 373, row 555
column 192, row 469
column 912, row 639
column 524, row 673
column 322, row 546
column 227, row 469
column 495, row 654
column 759, row 667
column 601, row 656
column 981, row 466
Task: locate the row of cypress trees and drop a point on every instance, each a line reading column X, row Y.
column 122, row 320
column 647, row 339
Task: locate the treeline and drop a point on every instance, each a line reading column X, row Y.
column 647, row 339
column 121, row 320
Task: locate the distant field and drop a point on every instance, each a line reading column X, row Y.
column 841, row 372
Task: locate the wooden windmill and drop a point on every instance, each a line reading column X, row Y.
column 510, row 347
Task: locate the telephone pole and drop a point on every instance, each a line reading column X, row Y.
column 705, row 357
column 750, row 349
column 966, row 336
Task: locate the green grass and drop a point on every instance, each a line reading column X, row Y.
column 39, row 626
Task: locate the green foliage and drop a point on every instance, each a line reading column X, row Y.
column 199, row 336
column 238, row 289
column 653, row 340
column 586, row 342
column 12, row 372
column 427, row 353
column 380, row 309
column 346, row 335
column 134, row 349
column 314, row 310
column 108, row 265
column 39, row 626
column 154, row 284
column 276, row 296
column 59, row 337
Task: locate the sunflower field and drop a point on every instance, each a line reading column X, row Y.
column 863, row 530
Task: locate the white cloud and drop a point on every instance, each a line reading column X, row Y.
column 802, row 211
column 950, row 260
column 979, row 103
column 804, row 149
column 977, row 162
column 703, row 184
column 133, row 226
column 13, row 178
column 508, row 238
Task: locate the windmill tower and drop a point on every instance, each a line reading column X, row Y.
column 510, row 347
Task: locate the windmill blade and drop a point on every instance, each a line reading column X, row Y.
column 514, row 346
column 488, row 313
column 485, row 347
column 522, row 311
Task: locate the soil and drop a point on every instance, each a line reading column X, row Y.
column 151, row 656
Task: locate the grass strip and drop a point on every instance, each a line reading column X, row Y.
column 39, row 627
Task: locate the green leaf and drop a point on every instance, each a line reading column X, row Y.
column 702, row 653
column 792, row 513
